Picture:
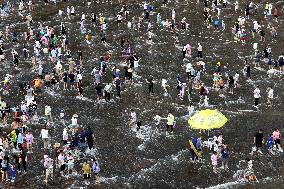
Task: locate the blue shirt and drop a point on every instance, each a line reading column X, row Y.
column 198, row 144
column 194, row 141
column 4, row 164
column 225, row 153
column 150, row 8
column 270, row 142
column 216, row 22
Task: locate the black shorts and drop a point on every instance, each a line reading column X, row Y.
column 86, row 176
column 62, row 167
column 258, row 145
column 277, row 141
column 47, row 83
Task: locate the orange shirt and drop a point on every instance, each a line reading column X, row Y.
column 37, row 83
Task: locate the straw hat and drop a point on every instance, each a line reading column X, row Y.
column 56, row 145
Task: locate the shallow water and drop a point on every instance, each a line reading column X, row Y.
column 149, row 158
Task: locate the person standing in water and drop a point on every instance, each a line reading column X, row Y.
column 256, row 94
column 170, row 122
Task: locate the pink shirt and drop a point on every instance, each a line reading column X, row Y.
column 276, row 135
column 214, row 159
column 44, row 40
column 29, row 138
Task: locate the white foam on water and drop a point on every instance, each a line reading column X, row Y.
column 227, row 185
column 246, row 110
column 53, row 93
column 92, row 152
column 147, row 134
column 138, row 85
column 108, row 179
column 236, row 184
column 168, row 160
column 231, row 112
column 84, row 98
column 76, row 184
column 185, row 117
column 239, row 101
column 141, row 146
column 259, row 68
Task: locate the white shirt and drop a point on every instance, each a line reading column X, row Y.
column 44, row 133
column 104, row 26
column 157, row 118
column 65, row 134
column 237, row 77
column 119, row 17
column 2, row 105
column 173, row 14
column 24, row 108
column 61, row 115
column 68, row 10
column 60, row 12
column 72, row 10
column 133, row 116
column 190, row 110
column 199, row 48
column 145, row 6
column 58, row 66
column 256, row 93
column 47, row 110
column 79, row 77
column 220, row 139
column 164, row 83
column 150, row 34
column 83, row 17
column 270, row 93
column 74, row 121
column 188, row 67
column 61, row 159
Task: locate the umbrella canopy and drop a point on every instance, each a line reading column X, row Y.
column 207, row 119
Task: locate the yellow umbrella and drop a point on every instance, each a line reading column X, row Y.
column 207, row 119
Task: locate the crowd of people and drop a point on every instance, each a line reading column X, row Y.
column 54, row 64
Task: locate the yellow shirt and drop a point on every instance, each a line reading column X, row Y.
column 170, row 119
column 102, row 20
column 86, row 168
